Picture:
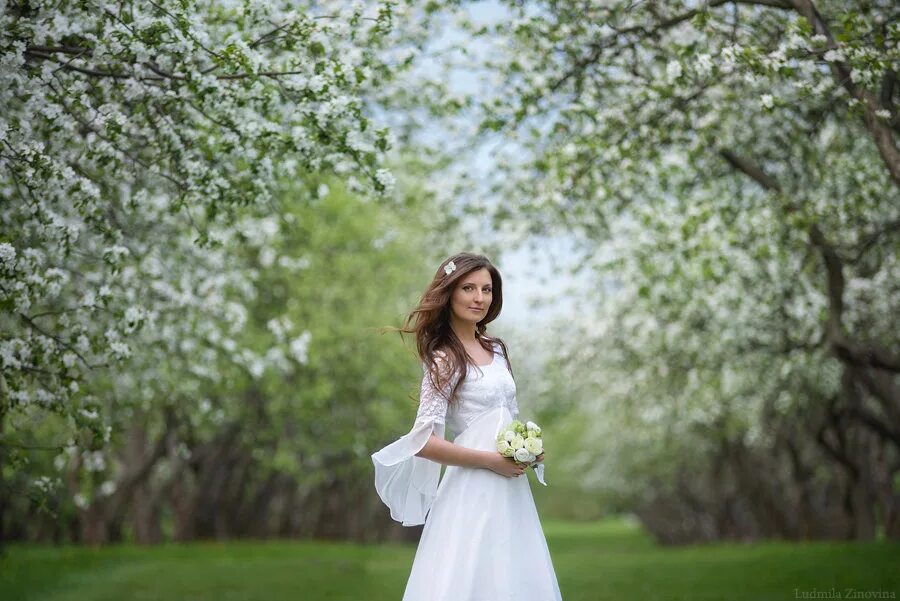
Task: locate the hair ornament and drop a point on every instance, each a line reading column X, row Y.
column 449, row 267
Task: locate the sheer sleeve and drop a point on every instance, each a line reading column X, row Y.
column 407, row 484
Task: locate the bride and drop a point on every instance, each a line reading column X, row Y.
column 482, row 539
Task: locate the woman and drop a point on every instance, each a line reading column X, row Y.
column 482, row 539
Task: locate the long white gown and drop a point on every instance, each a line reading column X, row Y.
column 482, row 539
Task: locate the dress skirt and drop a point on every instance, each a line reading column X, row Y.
column 482, row 539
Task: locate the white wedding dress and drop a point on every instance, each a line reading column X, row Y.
column 482, row 539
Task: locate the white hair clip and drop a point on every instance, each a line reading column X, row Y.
column 449, row 267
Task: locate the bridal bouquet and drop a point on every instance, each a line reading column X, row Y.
column 523, row 443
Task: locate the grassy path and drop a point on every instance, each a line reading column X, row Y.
column 602, row 561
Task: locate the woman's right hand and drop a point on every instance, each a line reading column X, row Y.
column 504, row 465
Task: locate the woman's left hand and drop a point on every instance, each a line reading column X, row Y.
column 539, row 458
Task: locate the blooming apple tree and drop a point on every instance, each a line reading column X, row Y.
column 732, row 171
column 132, row 137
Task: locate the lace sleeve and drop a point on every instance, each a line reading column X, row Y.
column 433, row 402
column 407, row 483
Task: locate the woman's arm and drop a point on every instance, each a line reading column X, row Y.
column 443, row 451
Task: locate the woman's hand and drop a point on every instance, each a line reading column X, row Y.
column 504, row 465
column 539, row 458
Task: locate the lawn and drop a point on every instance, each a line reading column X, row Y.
column 599, row 561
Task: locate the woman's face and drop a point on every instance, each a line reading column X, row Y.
column 472, row 296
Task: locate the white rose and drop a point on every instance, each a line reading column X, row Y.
column 522, row 455
column 503, row 447
column 533, row 445
column 531, row 425
column 509, row 436
column 517, row 442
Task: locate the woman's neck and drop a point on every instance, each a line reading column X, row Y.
column 466, row 332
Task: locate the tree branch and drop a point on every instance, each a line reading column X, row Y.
column 160, row 73
column 872, row 238
column 880, row 131
column 595, row 50
column 853, row 353
column 749, row 168
column 68, row 66
column 834, row 451
column 871, row 420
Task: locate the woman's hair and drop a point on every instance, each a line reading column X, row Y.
column 430, row 322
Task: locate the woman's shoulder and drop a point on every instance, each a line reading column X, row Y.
column 440, row 359
column 497, row 344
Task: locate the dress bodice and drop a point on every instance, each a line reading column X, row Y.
column 485, row 387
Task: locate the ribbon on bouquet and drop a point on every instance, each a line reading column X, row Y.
column 539, row 472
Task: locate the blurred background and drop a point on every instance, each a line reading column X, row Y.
column 210, row 211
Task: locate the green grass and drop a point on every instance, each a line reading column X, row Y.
column 598, row 561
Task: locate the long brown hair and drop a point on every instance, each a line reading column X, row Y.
column 430, row 321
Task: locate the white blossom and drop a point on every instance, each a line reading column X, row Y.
column 7, row 255
column 704, row 64
column 673, row 70
column 385, row 179
column 300, row 347
column 80, row 500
